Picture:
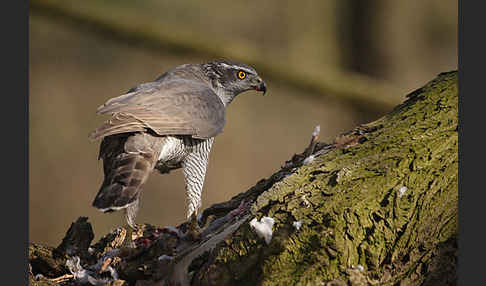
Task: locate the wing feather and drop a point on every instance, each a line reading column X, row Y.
column 171, row 107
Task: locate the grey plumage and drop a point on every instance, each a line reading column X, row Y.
column 165, row 125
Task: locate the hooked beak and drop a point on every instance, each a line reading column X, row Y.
column 261, row 86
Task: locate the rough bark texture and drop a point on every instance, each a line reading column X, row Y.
column 377, row 207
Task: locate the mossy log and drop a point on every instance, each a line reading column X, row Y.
column 378, row 206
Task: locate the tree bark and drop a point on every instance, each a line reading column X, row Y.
column 378, row 206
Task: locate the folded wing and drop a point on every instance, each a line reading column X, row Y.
column 171, row 107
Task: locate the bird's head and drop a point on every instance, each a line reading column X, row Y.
column 233, row 77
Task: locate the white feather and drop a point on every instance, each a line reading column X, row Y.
column 402, row 191
column 263, row 227
column 297, row 224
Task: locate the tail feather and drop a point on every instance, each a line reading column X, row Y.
column 125, row 171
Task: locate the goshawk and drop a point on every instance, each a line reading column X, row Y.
column 166, row 124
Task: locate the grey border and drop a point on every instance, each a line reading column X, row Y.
column 471, row 50
column 14, row 115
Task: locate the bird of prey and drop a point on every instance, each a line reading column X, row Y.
column 166, row 124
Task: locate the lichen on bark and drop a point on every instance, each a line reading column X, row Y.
column 375, row 210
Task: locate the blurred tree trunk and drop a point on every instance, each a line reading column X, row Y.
column 360, row 28
column 376, row 207
column 400, row 41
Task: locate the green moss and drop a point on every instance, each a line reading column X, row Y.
column 350, row 205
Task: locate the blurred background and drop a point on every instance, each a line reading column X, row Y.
column 335, row 63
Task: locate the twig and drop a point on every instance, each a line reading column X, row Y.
column 312, row 145
column 62, row 278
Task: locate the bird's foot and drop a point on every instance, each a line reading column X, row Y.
column 193, row 230
column 128, row 246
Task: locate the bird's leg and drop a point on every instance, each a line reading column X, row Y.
column 194, row 168
column 130, row 214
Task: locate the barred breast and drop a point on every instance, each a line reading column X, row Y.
column 172, row 152
column 176, row 149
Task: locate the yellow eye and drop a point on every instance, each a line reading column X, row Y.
column 241, row 75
